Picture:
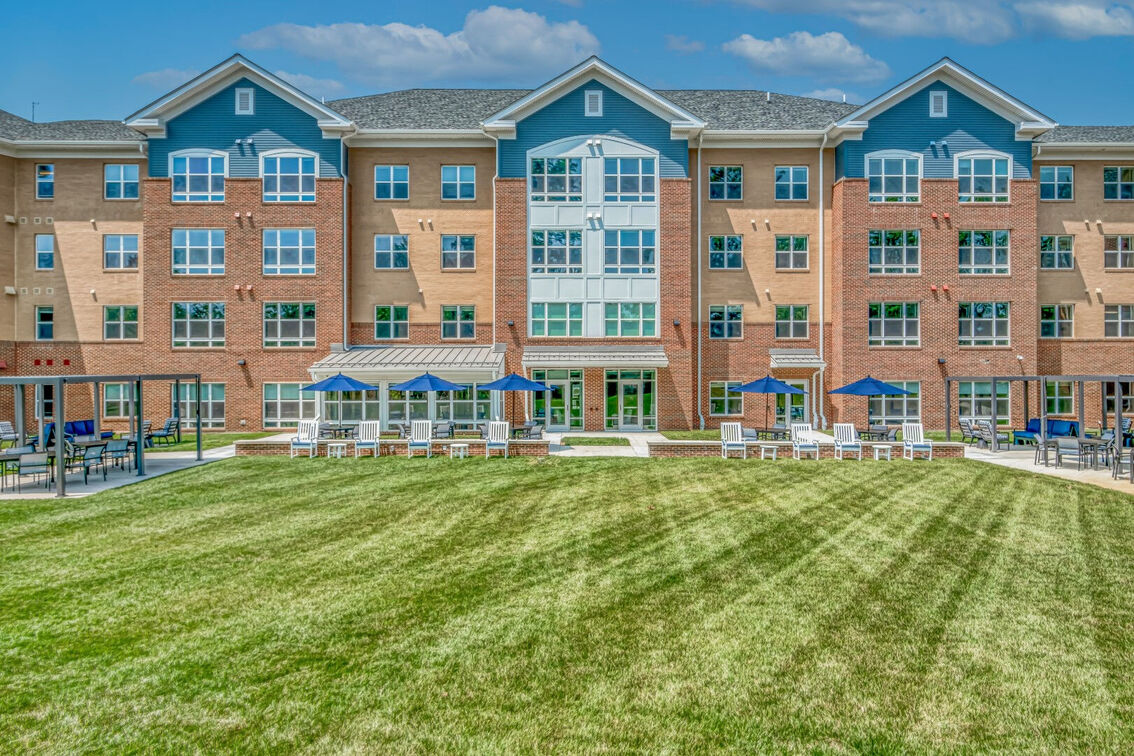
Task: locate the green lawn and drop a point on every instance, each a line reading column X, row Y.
column 595, row 441
column 714, row 434
column 570, row 605
column 209, row 440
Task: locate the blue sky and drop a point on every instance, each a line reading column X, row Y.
column 1069, row 58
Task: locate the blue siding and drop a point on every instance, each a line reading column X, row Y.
column 620, row 117
column 907, row 126
column 213, row 124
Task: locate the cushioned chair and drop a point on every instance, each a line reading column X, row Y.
column 1029, row 434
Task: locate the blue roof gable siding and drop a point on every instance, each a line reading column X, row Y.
column 907, row 126
column 620, row 117
column 275, row 124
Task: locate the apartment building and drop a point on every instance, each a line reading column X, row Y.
column 641, row 251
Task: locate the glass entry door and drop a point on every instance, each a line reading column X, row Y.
column 630, row 405
column 792, row 408
column 560, row 409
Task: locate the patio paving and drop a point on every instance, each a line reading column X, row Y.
column 1022, row 459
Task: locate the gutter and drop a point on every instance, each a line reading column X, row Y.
column 495, row 176
column 697, row 320
column 346, row 253
column 822, row 279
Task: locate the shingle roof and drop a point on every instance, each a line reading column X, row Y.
column 753, row 109
column 14, row 128
column 1088, row 135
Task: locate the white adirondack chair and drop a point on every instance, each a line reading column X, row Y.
column 803, row 441
column 369, row 432
column 846, row 440
column 732, row 438
column 497, row 437
column 306, row 439
column 914, row 441
column 421, row 437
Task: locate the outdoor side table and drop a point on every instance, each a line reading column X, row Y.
column 883, row 449
column 336, row 449
column 460, row 451
column 765, row 448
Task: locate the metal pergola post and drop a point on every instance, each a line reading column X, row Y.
column 197, row 413
column 139, row 439
column 1043, row 419
column 60, row 442
column 1082, row 410
column 1118, row 418
column 948, row 411
column 177, row 406
column 97, row 398
column 21, row 408
column 995, row 425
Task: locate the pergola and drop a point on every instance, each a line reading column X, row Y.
column 60, row 382
column 1043, row 380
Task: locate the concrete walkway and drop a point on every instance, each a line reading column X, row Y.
column 637, row 448
column 1023, row 459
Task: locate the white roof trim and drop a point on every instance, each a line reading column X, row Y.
column 593, row 68
column 627, row 356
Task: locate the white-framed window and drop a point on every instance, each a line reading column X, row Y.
column 458, row 252
column 289, row 324
column 1118, row 321
column 212, row 405
column 391, row 182
column 1057, row 252
column 630, row 319
column 1060, row 397
column 285, row 404
column 983, row 177
column 391, row 322
column 1118, row 182
column 556, row 250
column 983, row 323
column 983, row 252
column 630, row 251
column 938, row 104
column 468, row 404
column 726, row 252
column 974, row 400
column 289, row 176
column 557, row 319
column 556, row 179
column 893, row 176
column 592, row 99
column 198, row 175
column 629, row 179
column 119, row 322
column 458, row 321
column 791, row 321
column 898, row 409
column 458, row 182
column 116, row 400
column 198, row 252
column 120, row 251
column 44, row 323
column 894, row 324
column 401, row 406
column 723, row 402
column 791, row 182
column 1057, row 183
column 45, row 181
column 198, row 325
column 726, row 182
column 1057, row 321
column 361, row 405
column 726, row 321
column 791, row 253
column 288, row 251
column 895, row 252
column 391, row 251
column 120, row 181
column 1110, row 393
column 1118, row 251
column 245, row 101
column 45, row 251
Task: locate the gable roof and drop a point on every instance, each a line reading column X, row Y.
column 758, row 110
column 13, row 128
column 1088, row 135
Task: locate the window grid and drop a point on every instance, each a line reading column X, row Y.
column 44, row 323
column 119, row 322
column 120, row 251
column 791, row 253
column 630, row 252
column 791, row 182
column 895, row 410
column 198, row 325
column 198, row 251
column 212, row 405
column 791, row 322
column 285, row 404
column 983, row 252
column 726, row 321
column 44, row 251
column 557, row 319
column 289, row 178
column 1060, row 397
column 556, row 250
column 458, row 182
column 974, row 400
column 629, row 180
column 469, row 404
column 982, row 179
column 120, row 181
column 1118, row 251
column 45, row 181
column 1057, row 252
column 983, row 323
column 1057, row 321
column 458, row 252
column 198, row 178
column 289, row 324
column 391, row 182
column 391, row 322
column 391, row 251
column 556, row 179
column 289, row 251
column 726, row 182
column 723, row 402
column 1118, row 321
column 116, row 400
column 630, row 319
column 894, row 324
column 893, row 179
column 1057, row 182
column 1118, row 182
column 726, row 252
column 458, row 321
column 895, row 252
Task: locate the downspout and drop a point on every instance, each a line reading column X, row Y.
column 697, row 320
column 495, row 176
column 822, row 283
column 346, row 256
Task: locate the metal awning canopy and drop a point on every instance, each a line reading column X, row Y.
column 643, row 356
column 795, row 358
column 412, row 358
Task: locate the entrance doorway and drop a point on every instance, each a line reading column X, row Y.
column 560, row 409
column 631, row 400
column 792, row 408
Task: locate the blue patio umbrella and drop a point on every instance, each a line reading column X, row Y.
column 767, row 385
column 514, row 382
column 427, row 382
column 340, row 383
column 869, row 386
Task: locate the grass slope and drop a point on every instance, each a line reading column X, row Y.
column 579, row 605
column 213, row 440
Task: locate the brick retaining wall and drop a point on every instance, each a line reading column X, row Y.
column 395, row 447
column 941, row 450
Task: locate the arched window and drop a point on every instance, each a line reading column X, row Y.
column 894, row 176
column 289, row 175
column 983, row 176
column 198, row 175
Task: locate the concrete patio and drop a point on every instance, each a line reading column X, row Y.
column 1023, row 459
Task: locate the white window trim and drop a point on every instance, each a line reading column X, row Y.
column 38, row 309
column 587, row 112
column 1055, row 251
column 1037, row 172
column 223, row 247
column 251, row 101
column 122, row 322
column 54, row 250
column 972, row 264
column 944, row 94
column 391, row 321
column 993, row 154
column 725, row 322
column 278, row 265
column 727, row 395
column 790, row 321
column 277, row 401
column 1057, row 321
column 458, row 182
column 197, row 153
column 905, row 154
column 375, row 250
column 264, row 320
column 546, row 320
column 375, row 196
column 791, row 182
column 286, row 152
column 40, row 180
column 123, row 182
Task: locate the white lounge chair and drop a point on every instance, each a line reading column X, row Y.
column 914, row 441
column 306, row 439
column 369, row 431
column 421, row 437
column 732, row 438
column 497, row 437
column 8, row 433
column 846, row 440
column 803, row 441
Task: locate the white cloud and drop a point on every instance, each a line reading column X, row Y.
column 495, row 43
column 829, row 56
column 1077, row 20
column 310, row 84
column 682, row 44
column 833, row 93
column 166, row 78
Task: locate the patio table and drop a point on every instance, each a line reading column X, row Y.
column 1092, row 446
column 340, row 431
column 873, row 435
